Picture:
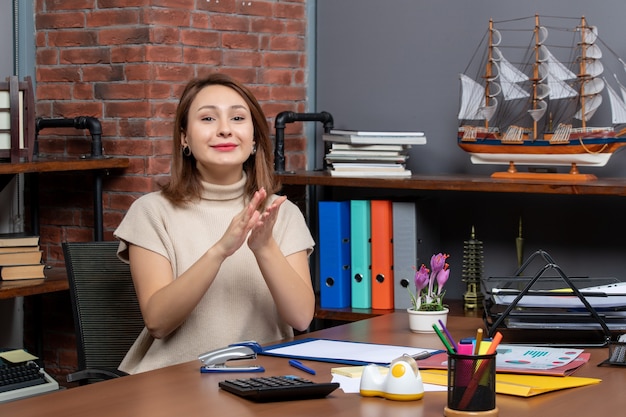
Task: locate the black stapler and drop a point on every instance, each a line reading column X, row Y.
column 215, row 360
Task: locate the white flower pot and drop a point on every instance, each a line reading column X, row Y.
column 422, row 321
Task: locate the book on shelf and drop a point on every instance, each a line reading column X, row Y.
column 348, row 166
column 373, row 148
column 16, row 272
column 373, row 133
column 13, row 249
column 332, row 158
column 20, row 258
column 18, row 239
column 370, row 173
column 401, row 138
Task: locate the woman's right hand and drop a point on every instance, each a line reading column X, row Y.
column 241, row 225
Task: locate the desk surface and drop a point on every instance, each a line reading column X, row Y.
column 182, row 390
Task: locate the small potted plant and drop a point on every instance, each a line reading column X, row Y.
column 427, row 300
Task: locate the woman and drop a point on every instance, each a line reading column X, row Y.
column 215, row 256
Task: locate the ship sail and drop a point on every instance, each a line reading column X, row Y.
column 618, row 107
column 557, row 75
column 509, row 77
column 591, row 86
column 473, row 101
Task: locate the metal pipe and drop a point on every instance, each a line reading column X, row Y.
column 81, row 122
column 289, row 117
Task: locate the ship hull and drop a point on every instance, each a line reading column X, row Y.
column 590, row 150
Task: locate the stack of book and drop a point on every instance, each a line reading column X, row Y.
column 370, row 154
column 20, row 257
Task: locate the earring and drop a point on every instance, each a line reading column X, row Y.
column 186, row 150
column 253, row 149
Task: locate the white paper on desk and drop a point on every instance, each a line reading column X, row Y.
column 340, row 350
column 353, row 385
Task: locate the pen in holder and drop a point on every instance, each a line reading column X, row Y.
column 471, row 386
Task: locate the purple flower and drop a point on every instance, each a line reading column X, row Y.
column 442, row 278
column 438, row 262
column 421, row 278
column 429, row 285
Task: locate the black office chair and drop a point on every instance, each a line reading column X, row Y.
column 107, row 317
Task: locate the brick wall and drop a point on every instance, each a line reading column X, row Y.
column 125, row 63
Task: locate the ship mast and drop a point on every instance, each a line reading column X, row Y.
column 536, row 73
column 583, row 70
column 488, row 68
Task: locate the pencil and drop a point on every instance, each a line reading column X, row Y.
column 473, row 384
column 479, row 339
column 443, row 339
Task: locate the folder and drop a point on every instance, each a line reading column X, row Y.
column 518, row 385
column 334, row 253
column 404, row 251
column 382, row 254
column 360, row 254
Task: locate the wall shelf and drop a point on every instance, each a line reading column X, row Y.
column 604, row 186
column 296, row 184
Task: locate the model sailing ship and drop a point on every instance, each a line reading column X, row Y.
column 537, row 111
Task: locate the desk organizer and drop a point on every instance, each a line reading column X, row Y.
column 584, row 309
column 617, row 353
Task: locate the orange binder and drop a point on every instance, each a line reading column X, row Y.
column 382, row 254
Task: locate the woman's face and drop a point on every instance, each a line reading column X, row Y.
column 220, row 134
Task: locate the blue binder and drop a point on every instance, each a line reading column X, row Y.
column 334, row 253
column 360, row 254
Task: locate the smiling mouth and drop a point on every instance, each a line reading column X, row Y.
column 228, row 147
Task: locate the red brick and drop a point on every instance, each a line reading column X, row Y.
column 203, row 38
column 85, row 56
column 242, row 59
column 119, row 17
column 159, row 53
column 67, row 38
column 123, row 36
column 202, row 56
column 128, row 53
column 240, row 41
column 103, row 72
column 123, row 91
column 60, row 20
column 287, row 43
column 229, row 23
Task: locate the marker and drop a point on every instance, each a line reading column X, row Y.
column 449, row 336
column 302, row 367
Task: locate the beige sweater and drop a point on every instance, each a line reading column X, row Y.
column 238, row 305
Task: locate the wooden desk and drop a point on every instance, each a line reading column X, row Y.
column 182, row 390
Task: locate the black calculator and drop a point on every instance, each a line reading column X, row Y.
column 278, row 388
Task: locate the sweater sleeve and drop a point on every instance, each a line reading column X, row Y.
column 145, row 226
column 291, row 231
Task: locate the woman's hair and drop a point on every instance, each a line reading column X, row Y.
column 185, row 185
